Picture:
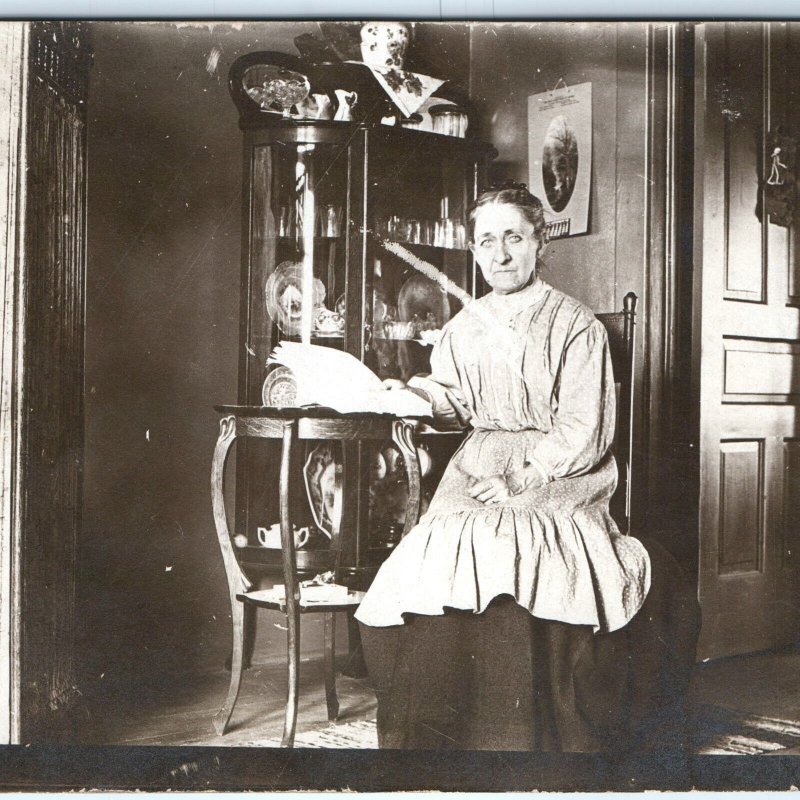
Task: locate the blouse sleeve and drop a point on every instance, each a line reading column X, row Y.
column 443, row 361
column 443, row 386
column 583, row 424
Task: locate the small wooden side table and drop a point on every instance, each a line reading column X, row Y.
column 290, row 425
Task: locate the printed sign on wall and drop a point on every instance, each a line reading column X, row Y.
column 560, row 156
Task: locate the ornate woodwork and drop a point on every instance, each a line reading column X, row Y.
column 51, row 416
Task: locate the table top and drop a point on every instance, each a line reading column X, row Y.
column 309, row 412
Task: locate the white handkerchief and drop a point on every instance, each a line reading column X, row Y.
column 407, row 90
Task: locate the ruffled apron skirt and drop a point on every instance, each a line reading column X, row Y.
column 554, row 549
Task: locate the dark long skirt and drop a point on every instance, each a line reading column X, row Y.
column 504, row 680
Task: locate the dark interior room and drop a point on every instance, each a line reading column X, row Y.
column 121, row 605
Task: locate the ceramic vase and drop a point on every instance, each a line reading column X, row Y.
column 384, row 44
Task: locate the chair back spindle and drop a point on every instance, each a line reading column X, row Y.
column 621, row 329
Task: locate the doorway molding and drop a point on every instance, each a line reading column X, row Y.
column 14, row 43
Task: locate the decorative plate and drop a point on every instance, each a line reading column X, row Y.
column 279, row 389
column 284, row 296
column 322, row 487
column 423, row 302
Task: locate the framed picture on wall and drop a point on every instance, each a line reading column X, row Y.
column 560, row 156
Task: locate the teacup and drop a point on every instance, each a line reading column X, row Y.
column 271, row 537
column 328, row 321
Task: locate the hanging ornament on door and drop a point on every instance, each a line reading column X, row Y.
column 780, row 181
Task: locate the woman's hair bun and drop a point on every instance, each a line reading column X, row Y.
column 514, row 194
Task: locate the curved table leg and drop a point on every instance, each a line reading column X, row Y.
column 331, row 698
column 403, row 436
column 292, row 588
column 237, row 582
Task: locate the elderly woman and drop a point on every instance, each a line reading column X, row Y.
column 490, row 624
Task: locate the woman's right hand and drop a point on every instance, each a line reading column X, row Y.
column 458, row 401
column 449, row 404
column 393, row 383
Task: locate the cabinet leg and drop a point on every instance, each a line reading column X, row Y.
column 330, row 666
column 356, row 667
column 250, row 623
column 293, row 658
column 223, row 718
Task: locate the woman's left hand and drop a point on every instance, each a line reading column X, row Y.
column 491, row 490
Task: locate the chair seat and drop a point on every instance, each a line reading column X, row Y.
column 266, row 598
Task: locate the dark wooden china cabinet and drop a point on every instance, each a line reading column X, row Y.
column 319, row 198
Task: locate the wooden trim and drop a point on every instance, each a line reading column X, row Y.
column 14, row 43
column 664, row 432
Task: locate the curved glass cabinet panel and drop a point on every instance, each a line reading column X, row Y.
column 320, row 199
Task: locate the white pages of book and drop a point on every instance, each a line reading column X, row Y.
column 337, row 380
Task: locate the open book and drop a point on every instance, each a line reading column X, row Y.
column 337, row 380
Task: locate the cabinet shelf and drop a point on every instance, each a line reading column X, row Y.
column 267, row 558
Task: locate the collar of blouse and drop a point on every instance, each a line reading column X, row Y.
column 507, row 306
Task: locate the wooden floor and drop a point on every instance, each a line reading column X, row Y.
column 180, row 712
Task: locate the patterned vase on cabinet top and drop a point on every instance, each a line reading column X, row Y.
column 384, row 44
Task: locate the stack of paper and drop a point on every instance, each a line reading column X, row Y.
column 337, row 380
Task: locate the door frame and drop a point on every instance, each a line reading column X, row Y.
column 14, row 73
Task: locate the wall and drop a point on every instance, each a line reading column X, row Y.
column 162, row 335
column 509, row 62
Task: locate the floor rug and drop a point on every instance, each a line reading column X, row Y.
column 359, row 735
column 721, row 731
column 715, row 730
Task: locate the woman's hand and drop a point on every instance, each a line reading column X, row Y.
column 393, row 383
column 449, row 404
column 491, row 490
column 500, row 487
column 458, row 402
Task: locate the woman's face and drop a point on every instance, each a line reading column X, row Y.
column 505, row 246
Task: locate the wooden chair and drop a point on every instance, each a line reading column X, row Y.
column 621, row 326
column 243, row 563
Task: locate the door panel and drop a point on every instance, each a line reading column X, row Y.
column 747, row 355
column 742, row 521
column 740, row 103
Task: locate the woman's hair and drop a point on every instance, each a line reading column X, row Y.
column 511, row 194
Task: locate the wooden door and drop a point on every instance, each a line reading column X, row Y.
column 747, row 343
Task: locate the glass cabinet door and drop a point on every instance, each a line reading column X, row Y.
column 297, row 258
column 419, row 195
column 293, row 290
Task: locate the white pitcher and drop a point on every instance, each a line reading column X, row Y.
column 345, row 102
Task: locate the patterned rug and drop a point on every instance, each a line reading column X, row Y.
column 721, row 731
column 359, row 735
column 716, row 731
